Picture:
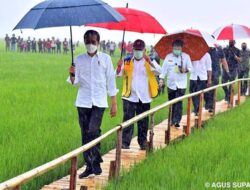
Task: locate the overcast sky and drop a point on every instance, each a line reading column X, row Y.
column 173, row 15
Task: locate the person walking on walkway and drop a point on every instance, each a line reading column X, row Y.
column 232, row 55
column 95, row 76
column 200, row 78
column 217, row 57
column 139, row 87
column 244, row 65
column 176, row 66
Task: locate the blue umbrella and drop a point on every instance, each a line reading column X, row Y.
column 55, row 13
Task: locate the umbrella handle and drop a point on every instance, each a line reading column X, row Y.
column 123, row 36
column 72, row 53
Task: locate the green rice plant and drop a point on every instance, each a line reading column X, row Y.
column 216, row 155
column 38, row 119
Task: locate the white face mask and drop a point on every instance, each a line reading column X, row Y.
column 91, row 48
column 138, row 54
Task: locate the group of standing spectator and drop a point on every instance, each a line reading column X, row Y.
column 108, row 47
column 52, row 45
column 126, row 48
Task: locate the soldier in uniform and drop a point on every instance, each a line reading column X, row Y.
column 243, row 70
column 217, row 57
column 232, row 55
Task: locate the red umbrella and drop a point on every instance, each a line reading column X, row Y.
column 232, row 32
column 135, row 21
column 194, row 44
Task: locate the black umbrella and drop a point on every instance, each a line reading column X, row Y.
column 55, row 13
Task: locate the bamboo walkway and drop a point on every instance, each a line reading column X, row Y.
column 134, row 154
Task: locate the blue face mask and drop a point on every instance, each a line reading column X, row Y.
column 138, row 54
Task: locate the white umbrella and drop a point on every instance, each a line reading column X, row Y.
column 207, row 37
column 232, row 32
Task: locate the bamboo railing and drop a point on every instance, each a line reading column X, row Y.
column 16, row 182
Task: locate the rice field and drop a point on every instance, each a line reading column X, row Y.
column 216, row 157
column 38, row 119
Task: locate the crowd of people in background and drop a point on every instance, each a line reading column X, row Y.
column 108, row 47
column 55, row 45
column 111, row 46
column 49, row 45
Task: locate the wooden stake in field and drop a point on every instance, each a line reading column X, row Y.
column 231, row 100
column 151, row 133
column 115, row 165
column 200, row 110
column 187, row 129
column 214, row 101
column 73, row 172
column 239, row 92
column 168, row 131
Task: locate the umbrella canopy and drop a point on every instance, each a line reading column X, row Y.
column 55, row 13
column 207, row 37
column 232, row 32
column 135, row 21
column 194, row 44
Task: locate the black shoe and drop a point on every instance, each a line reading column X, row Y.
column 196, row 113
column 88, row 171
column 97, row 170
column 177, row 125
column 125, row 146
column 210, row 110
column 227, row 98
column 142, row 147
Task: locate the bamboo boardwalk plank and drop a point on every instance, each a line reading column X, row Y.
column 134, row 155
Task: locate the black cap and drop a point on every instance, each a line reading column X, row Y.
column 139, row 44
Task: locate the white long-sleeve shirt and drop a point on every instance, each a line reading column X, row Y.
column 139, row 86
column 201, row 67
column 175, row 79
column 96, row 79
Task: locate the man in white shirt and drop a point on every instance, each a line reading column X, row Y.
column 95, row 75
column 139, row 87
column 176, row 66
column 200, row 78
